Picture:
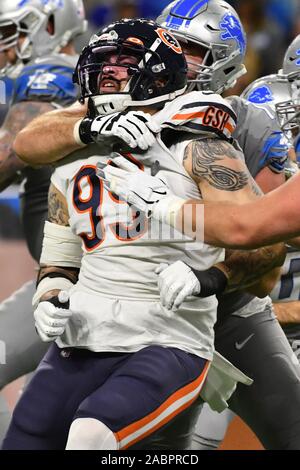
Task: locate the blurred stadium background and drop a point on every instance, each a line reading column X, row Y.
column 270, row 27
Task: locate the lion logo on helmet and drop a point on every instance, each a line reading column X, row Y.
column 233, row 30
column 261, row 95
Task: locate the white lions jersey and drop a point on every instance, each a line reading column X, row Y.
column 116, row 300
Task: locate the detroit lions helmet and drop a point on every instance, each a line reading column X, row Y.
column 291, row 61
column 215, row 26
column 30, row 19
column 159, row 73
column 279, row 93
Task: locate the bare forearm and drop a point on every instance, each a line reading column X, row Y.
column 271, row 219
column 266, row 284
column 244, row 268
column 48, row 138
column 287, row 312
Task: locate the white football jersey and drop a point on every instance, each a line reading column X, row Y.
column 116, row 300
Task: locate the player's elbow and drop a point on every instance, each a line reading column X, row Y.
column 23, row 147
column 242, row 236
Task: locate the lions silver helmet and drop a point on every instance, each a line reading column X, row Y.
column 279, row 93
column 215, row 26
column 291, row 61
column 30, row 19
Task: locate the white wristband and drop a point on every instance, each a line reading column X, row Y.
column 50, row 283
column 76, row 134
column 167, row 209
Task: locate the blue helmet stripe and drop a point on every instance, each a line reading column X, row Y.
column 188, row 8
column 197, row 7
column 173, row 22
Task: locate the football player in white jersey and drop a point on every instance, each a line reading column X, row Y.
column 112, row 334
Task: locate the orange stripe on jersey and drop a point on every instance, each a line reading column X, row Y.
column 137, row 428
column 229, row 127
column 179, row 116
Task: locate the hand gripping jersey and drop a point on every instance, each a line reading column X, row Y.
column 47, row 79
column 116, row 300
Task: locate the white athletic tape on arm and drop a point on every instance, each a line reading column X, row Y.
column 50, row 283
column 167, row 209
column 61, row 247
column 76, row 134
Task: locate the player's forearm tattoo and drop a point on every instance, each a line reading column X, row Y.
column 57, row 210
column 20, row 114
column 204, row 155
column 17, row 118
column 244, row 268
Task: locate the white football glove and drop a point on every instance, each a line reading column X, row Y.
column 134, row 128
column 176, row 282
column 133, row 185
column 51, row 321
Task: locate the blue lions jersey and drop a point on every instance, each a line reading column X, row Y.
column 47, row 79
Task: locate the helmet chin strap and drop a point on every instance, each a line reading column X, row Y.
column 117, row 103
column 114, row 103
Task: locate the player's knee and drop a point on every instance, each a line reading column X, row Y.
column 90, row 434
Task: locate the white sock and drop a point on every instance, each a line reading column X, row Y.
column 90, row 434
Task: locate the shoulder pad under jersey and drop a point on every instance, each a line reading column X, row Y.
column 48, row 79
column 199, row 112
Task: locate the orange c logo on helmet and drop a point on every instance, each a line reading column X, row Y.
column 169, row 40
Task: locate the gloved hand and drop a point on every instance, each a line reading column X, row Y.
column 176, row 282
column 134, row 128
column 51, row 317
column 133, row 185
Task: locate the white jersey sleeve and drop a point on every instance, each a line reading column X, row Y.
column 59, row 182
column 199, row 112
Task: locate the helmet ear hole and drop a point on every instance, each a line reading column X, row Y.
column 24, row 28
column 51, row 25
column 229, row 70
